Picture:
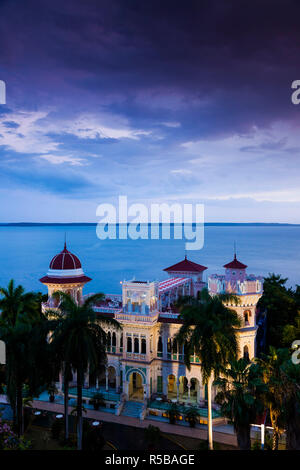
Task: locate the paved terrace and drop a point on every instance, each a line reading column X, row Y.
column 224, row 435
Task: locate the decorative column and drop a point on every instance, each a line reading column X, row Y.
column 60, row 382
column 126, row 388
column 106, row 380
column 189, row 390
column 165, row 386
column 178, row 384
column 117, row 382
column 86, row 380
column 146, row 388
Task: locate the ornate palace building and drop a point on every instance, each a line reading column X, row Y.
column 144, row 362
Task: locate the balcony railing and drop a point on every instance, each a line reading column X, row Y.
column 132, row 318
column 136, row 356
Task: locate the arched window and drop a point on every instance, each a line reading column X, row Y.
column 247, row 314
column 169, row 348
column 246, row 352
column 159, row 347
column 108, row 339
column 174, row 348
column 136, row 345
column 143, row 346
column 114, row 339
column 129, row 344
column 121, row 342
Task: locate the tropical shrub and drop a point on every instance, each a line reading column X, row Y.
column 173, row 413
column 9, row 440
column 92, row 438
column 152, row 436
column 97, row 401
column 192, row 414
column 57, row 429
column 52, row 390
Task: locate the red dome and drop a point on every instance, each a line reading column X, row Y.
column 65, row 260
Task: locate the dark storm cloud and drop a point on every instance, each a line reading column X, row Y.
column 154, row 99
column 201, row 57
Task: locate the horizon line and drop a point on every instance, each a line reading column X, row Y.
column 6, row 224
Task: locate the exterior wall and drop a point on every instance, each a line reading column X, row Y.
column 197, row 283
column 249, row 289
column 134, row 348
column 75, row 290
column 154, row 367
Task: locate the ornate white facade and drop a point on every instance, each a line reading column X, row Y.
column 143, row 359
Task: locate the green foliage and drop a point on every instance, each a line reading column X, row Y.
column 173, row 413
column 192, row 414
column 204, row 446
column 257, row 443
column 9, row 440
column 282, row 306
column 240, row 395
column 79, row 339
column 93, row 439
column 98, row 400
column 57, row 429
column 290, row 376
column 274, row 393
column 209, row 331
column 52, row 391
column 24, row 330
column 291, row 332
column 152, row 434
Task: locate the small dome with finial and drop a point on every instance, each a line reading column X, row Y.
column 65, row 268
column 65, row 260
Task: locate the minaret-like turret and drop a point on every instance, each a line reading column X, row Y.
column 65, row 274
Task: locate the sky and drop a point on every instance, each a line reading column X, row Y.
column 161, row 101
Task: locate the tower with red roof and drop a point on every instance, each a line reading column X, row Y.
column 188, row 269
column 248, row 288
column 235, row 270
column 65, row 274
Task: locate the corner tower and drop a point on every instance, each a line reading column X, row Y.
column 248, row 288
column 65, row 274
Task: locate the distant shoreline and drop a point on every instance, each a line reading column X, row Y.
column 94, row 224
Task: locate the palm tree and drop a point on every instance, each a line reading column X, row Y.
column 240, row 396
column 209, row 331
column 290, row 375
column 79, row 334
column 15, row 302
column 274, row 394
column 19, row 311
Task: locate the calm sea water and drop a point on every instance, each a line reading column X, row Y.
column 27, row 251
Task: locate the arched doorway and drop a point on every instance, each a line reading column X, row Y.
column 112, row 381
column 136, row 389
column 183, row 388
column 172, row 387
column 194, row 390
